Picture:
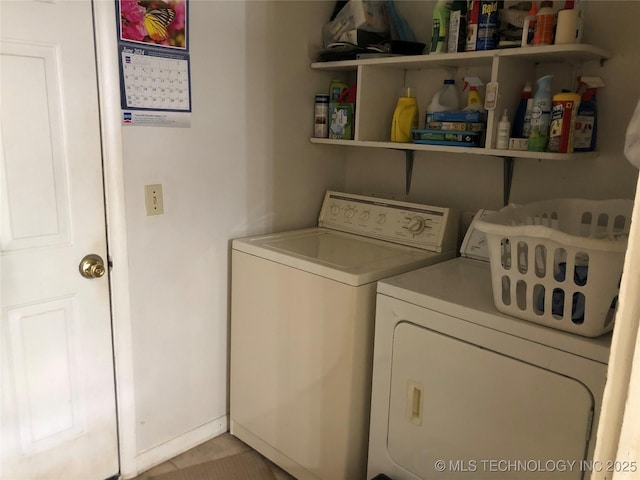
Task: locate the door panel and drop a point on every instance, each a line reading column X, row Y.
column 58, row 396
column 36, row 207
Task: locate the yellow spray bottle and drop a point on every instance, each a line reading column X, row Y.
column 475, row 103
column 405, row 117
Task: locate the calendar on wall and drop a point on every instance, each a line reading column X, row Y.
column 155, row 80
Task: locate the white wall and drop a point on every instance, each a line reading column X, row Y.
column 472, row 182
column 244, row 167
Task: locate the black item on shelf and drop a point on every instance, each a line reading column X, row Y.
column 349, row 51
column 382, row 476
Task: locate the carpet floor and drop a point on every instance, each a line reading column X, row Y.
column 243, row 466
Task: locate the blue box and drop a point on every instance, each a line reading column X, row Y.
column 454, row 117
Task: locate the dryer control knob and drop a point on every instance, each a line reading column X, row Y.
column 381, row 218
column 364, row 216
column 416, row 225
column 349, row 213
column 335, row 210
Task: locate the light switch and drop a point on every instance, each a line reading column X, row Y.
column 153, row 199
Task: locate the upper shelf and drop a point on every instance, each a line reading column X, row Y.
column 545, row 53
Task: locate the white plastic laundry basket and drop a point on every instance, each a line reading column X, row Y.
column 559, row 262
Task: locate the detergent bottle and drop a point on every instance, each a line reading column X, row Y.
column 529, row 26
column 405, row 117
column 541, row 115
column 521, row 113
column 440, row 26
column 586, row 124
column 446, row 99
column 475, row 103
column 545, row 22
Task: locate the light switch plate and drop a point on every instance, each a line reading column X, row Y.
column 153, row 199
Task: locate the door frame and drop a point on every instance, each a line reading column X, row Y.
column 106, row 35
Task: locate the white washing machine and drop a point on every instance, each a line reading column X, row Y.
column 302, row 315
column 462, row 391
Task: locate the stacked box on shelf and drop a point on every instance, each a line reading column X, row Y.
column 463, row 129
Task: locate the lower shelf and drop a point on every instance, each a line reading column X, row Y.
column 464, row 150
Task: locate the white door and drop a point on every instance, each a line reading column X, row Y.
column 58, row 403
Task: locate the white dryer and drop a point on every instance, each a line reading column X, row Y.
column 463, row 391
column 302, row 314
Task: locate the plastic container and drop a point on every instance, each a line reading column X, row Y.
column 559, row 262
column 405, row 117
column 446, row 99
column 504, row 131
column 321, row 116
column 475, row 103
column 521, row 112
column 586, row 124
column 440, row 26
column 529, row 26
column 545, row 21
column 563, row 116
column 541, row 115
column 473, row 14
column 567, row 26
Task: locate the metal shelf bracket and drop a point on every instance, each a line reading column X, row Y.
column 507, row 177
column 409, row 154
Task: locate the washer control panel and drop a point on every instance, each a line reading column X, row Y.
column 412, row 224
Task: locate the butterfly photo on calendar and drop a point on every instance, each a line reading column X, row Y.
column 156, row 22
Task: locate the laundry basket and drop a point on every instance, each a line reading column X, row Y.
column 559, row 262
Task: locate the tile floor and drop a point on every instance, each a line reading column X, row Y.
column 221, row 446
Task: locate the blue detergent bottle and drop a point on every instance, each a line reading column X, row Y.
column 586, row 125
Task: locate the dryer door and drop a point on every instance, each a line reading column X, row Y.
column 482, row 413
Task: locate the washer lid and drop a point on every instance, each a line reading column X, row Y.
column 344, row 257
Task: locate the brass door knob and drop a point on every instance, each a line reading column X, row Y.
column 92, row 266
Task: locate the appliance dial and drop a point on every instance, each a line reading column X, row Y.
column 350, row 212
column 335, row 210
column 416, row 225
column 364, row 216
column 381, row 218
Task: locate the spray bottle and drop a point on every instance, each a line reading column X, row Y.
column 586, row 125
column 475, row 103
column 521, row 113
column 541, row 115
column 440, row 26
column 529, row 26
column 405, row 117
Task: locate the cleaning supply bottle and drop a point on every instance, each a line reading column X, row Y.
column 457, row 27
column 586, row 124
column 504, row 130
column 521, row 112
column 545, row 22
column 541, row 115
column 405, row 117
column 440, row 26
column 475, row 103
column 563, row 116
column 446, row 99
column 529, row 26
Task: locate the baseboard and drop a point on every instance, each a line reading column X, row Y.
column 167, row 450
